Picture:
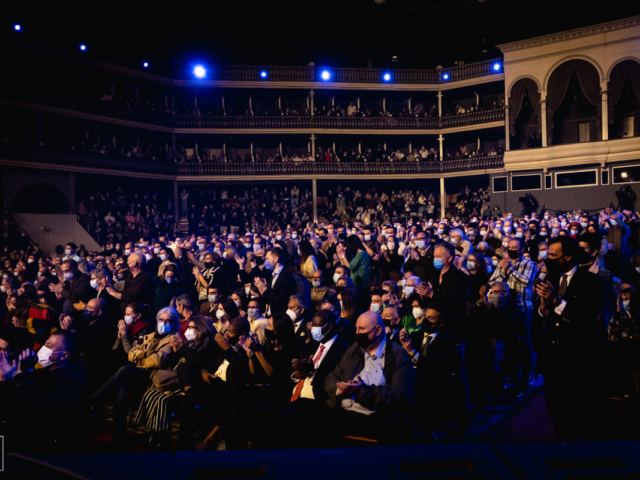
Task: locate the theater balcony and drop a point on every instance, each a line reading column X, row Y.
column 88, row 162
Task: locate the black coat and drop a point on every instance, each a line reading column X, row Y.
column 452, row 293
column 277, row 297
column 78, row 289
column 436, row 370
column 423, row 267
column 328, row 365
column 142, row 289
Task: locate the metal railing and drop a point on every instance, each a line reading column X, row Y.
column 114, row 162
column 337, row 74
column 139, row 114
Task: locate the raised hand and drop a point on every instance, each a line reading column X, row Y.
column 222, row 341
column 7, row 369
column 123, row 329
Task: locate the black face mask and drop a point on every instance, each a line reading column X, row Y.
column 533, row 231
column 362, row 339
column 553, row 266
column 387, row 323
column 234, row 340
column 270, row 335
column 429, row 327
column 208, row 265
column 514, row 254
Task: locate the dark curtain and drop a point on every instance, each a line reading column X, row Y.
column 616, row 84
column 589, row 83
column 517, row 99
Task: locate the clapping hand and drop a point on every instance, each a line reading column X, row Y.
column 252, row 345
column 176, row 342
column 7, row 369
column 65, row 322
column 405, row 340
column 340, row 250
column 261, row 284
column 425, row 290
column 350, row 388
column 123, row 329
column 505, row 265
column 223, row 341
column 56, row 287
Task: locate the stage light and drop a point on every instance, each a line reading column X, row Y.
column 386, row 77
column 445, row 76
column 263, row 74
column 199, row 71
column 325, row 75
column 83, row 47
column 17, row 27
column 145, row 64
column 496, row 67
column 624, row 174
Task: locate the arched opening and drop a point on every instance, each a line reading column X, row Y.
column 624, row 100
column 40, row 198
column 573, row 104
column 524, row 115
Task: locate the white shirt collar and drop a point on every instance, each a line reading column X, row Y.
column 276, row 271
column 570, row 273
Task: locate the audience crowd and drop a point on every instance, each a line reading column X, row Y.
column 282, row 331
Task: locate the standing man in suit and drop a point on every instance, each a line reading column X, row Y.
column 438, row 368
column 308, row 409
column 277, row 292
column 371, row 389
column 568, row 314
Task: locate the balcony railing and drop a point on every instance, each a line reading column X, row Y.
column 352, row 75
column 85, row 159
column 138, row 114
column 114, row 162
column 328, row 168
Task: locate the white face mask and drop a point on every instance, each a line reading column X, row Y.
column 336, row 277
column 190, row 334
column 44, row 356
column 201, row 246
column 212, row 298
column 543, row 254
column 316, row 333
column 278, row 237
column 420, row 244
column 375, row 307
column 253, row 313
column 68, row 251
column 93, row 283
column 418, row 312
column 216, row 250
column 156, row 251
column 471, row 265
column 294, row 235
column 30, row 260
column 367, row 238
column 68, row 276
column 292, row 315
column 128, row 319
column 168, row 279
column 237, row 304
column 147, row 256
column 408, row 291
column 127, row 252
column 317, row 283
column 256, row 248
column 219, row 314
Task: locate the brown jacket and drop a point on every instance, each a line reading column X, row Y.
column 153, row 353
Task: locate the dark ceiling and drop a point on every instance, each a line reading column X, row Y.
column 422, row 34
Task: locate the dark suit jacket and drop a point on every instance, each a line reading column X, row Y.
column 423, row 267
column 328, row 365
column 436, row 370
column 396, row 395
column 78, row 289
column 452, row 293
column 277, row 297
column 346, row 331
column 301, row 335
column 578, row 328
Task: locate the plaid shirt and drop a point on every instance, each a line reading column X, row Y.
column 519, row 279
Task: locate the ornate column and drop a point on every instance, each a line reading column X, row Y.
column 605, row 114
column 507, row 143
column 443, row 198
column 439, row 104
column 543, row 121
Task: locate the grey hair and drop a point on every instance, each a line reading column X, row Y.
column 504, row 285
column 300, row 300
column 175, row 318
column 100, row 273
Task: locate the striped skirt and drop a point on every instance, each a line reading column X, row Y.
column 154, row 410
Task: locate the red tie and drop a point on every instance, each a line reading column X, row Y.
column 298, row 390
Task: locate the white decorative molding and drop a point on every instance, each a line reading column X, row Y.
column 571, row 34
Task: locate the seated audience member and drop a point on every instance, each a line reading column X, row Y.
column 346, row 330
column 257, row 321
column 308, row 410
column 318, row 289
column 391, row 318
column 220, row 385
column 99, row 280
column 153, row 354
column 371, row 389
column 50, row 401
column 226, row 311
column 168, row 286
column 208, row 308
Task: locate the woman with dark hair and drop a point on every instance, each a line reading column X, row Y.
column 238, row 299
column 226, row 311
column 389, row 261
column 167, row 257
column 167, row 287
column 348, row 306
column 477, row 267
column 354, row 256
column 196, row 350
column 308, row 262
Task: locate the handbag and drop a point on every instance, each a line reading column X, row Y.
column 167, row 379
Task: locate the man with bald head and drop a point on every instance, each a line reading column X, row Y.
column 139, row 287
column 371, row 389
column 96, row 333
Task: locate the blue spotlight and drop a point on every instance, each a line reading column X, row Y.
column 496, row 67
column 145, row 64
column 199, row 71
column 445, row 77
column 325, row 75
column 83, row 47
column 263, row 74
column 386, row 77
column 17, row 27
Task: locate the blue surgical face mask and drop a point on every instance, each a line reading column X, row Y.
column 162, row 328
column 543, row 254
column 438, row 263
column 543, row 234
